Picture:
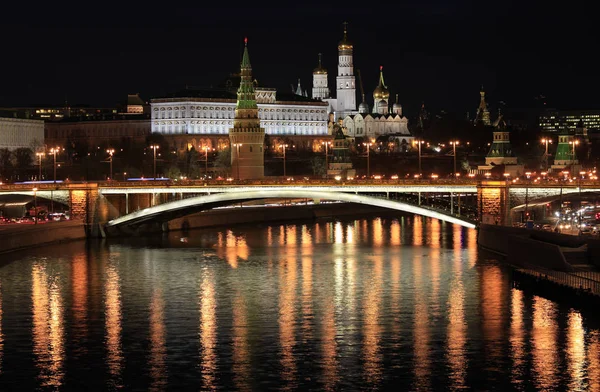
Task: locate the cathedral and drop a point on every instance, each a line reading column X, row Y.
column 383, row 121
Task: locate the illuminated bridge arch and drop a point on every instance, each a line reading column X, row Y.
column 175, row 209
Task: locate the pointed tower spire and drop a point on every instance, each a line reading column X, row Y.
column 246, row 136
column 299, row 88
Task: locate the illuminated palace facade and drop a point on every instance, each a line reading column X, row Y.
column 203, row 117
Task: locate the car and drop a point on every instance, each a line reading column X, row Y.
column 547, row 227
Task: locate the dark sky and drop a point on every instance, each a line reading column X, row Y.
column 439, row 52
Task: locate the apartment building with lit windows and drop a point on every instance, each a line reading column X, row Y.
column 554, row 121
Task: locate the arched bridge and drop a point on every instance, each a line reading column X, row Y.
column 179, row 208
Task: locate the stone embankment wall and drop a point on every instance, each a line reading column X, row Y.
column 531, row 248
column 24, row 236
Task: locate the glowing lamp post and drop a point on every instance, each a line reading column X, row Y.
column 326, row 157
column 110, row 152
column 53, row 151
column 206, row 149
column 35, row 214
column 418, row 143
column 284, row 146
column 40, row 155
column 154, row 147
column 454, row 143
column 368, row 145
column 574, row 143
column 546, row 141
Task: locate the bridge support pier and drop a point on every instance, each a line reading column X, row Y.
column 419, row 198
column 452, row 203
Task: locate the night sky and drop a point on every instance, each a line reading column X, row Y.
column 439, row 52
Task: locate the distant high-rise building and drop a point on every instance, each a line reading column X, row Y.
column 247, row 137
column 577, row 121
column 483, row 115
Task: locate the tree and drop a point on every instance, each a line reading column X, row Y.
column 222, row 162
column 6, row 163
column 318, row 166
column 23, row 159
column 173, row 172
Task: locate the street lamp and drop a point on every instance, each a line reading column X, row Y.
column 53, row 151
column 546, row 141
column 368, row 145
column 40, row 155
column 110, row 152
column 206, row 149
column 154, row 147
column 419, row 142
column 454, row 143
column 35, row 205
column 326, row 157
column 237, row 161
column 574, row 143
column 284, row 146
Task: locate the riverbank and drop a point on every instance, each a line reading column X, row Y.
column 15, row 237
column 566, row 265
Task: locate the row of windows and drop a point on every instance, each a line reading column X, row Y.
column 268, row 116
column 231, row 108
column 224, row 130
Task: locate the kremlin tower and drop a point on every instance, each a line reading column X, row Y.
column 246, row 137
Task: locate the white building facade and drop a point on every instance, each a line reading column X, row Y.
column 206, row 115
column 21, row 133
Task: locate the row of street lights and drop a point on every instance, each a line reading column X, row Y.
column 40, row 155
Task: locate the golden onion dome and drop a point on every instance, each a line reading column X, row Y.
column 344, row 43
column 320, row 70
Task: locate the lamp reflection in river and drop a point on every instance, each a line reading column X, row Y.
column 435, row 232
column 377, row 232
column 1, row 336
column 241, row 351
column 491, row 296
column 395, row 233
column 112, row 314
column 417, row 230
column 457, row 334
column 371, row 324
column 287, row 318
column 48, row 327
column 79, row 284
column 208, row 331
column 158, row 350
column 231, row 248
column 576, row 352
column 307, row 299
column 543, row 337
column 306, row 238
column 593, row 360
column 421, row 344
column 290, row 236
column 339, row 233
column 517, row 337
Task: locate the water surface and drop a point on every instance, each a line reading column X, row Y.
column 357, row 304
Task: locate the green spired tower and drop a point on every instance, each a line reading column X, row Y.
column 247, row 137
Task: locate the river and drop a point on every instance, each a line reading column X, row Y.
column 373, row 303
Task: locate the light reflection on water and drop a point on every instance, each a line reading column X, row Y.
column 351, row 304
